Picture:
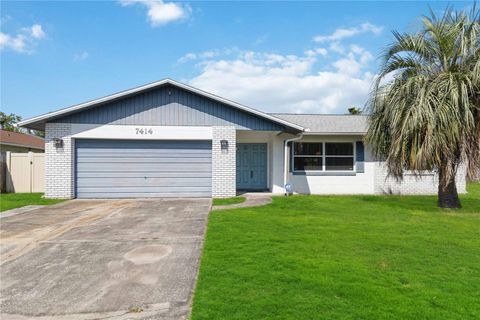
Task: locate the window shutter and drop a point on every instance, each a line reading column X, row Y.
column 290, row 155
column 360, row 155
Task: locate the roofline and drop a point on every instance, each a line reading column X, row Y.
column 21, row 145
column 124, row 93
column 319, row 114
column 313, row 133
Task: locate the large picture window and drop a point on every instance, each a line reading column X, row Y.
column 323, row 156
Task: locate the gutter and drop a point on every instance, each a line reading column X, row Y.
column 285, row 159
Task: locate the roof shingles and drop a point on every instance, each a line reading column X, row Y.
column 21, row 139
column 328, row 124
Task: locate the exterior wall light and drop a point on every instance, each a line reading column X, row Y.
column 57, row 142
column 224, row 144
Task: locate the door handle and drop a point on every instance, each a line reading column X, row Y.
column 251, row 173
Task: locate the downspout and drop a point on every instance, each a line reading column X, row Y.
column 285, row 160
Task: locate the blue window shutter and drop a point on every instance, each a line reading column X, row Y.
column 290, row 156
column 360, row 155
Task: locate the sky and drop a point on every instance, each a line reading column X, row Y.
column 292, row 57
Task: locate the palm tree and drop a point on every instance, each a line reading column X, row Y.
column 425, row 103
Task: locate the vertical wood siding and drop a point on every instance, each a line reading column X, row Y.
column 170, row 106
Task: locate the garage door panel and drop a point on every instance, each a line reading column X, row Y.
column 108, row 195
column 126, row 169
column 143, row 144
column 142, row 154
column 142, row 181
column 143, row 159
column 166, row 152
column 158, row 174
column 106, row 167
column 144, row 189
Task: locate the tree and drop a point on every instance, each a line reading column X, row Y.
column 425, row 103
column 7, row 122
column 354, row 110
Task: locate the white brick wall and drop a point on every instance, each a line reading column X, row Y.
column 426, row 184
column 59, row 162
column 223, row 163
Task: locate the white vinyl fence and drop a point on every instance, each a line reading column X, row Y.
column 25, row 172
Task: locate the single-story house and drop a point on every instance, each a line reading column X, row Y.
column 168, row 139
column 20, row 142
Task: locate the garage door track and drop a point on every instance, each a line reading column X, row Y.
column 102, row 259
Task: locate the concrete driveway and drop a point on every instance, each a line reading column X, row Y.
column 102, row 259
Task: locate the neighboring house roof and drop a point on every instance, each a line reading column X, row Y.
column 328, row 124
column 21, row 140
column 38, row 122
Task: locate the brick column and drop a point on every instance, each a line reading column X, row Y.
column 224, row 163
column 59, row 162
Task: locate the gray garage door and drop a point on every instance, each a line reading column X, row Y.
column 138, row 169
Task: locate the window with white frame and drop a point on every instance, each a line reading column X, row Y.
column 323, row 156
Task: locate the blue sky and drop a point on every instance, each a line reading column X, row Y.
column 312, row 57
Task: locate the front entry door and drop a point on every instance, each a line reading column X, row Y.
column 252, row 166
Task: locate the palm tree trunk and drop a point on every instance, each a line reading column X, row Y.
column 447, row 191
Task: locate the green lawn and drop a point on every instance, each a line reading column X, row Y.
column 15, row 200
column 342, row 257
column 227, row 201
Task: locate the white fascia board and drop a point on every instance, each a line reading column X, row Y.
column 153, row 85
column 89, row 131
column 334, row 133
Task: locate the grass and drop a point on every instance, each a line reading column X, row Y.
column 16, row 200
column 342, row 257
column 227, row 201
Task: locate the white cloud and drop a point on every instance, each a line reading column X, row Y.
column 337, row 47
column 348, row 66
column 16, row 43
column 343, row 33
column 206, row 54
column 187, row 57
column 81, row 56
column 37, row 32
column 317, row 51
column 160, row 12
column 24, row 41
column 288, row 83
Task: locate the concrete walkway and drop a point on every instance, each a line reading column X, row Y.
column 252, row 200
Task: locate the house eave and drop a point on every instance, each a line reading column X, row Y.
column 310, row 133
column 20, row 145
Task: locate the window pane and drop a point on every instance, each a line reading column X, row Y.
column 339, row 149
column 308, row 149
column 340, row 164
column 306, row 163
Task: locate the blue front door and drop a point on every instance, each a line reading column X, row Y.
column 252, row 166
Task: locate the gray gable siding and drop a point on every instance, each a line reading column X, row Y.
column 170, row 106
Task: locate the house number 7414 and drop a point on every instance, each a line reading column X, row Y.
column 143, row 131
